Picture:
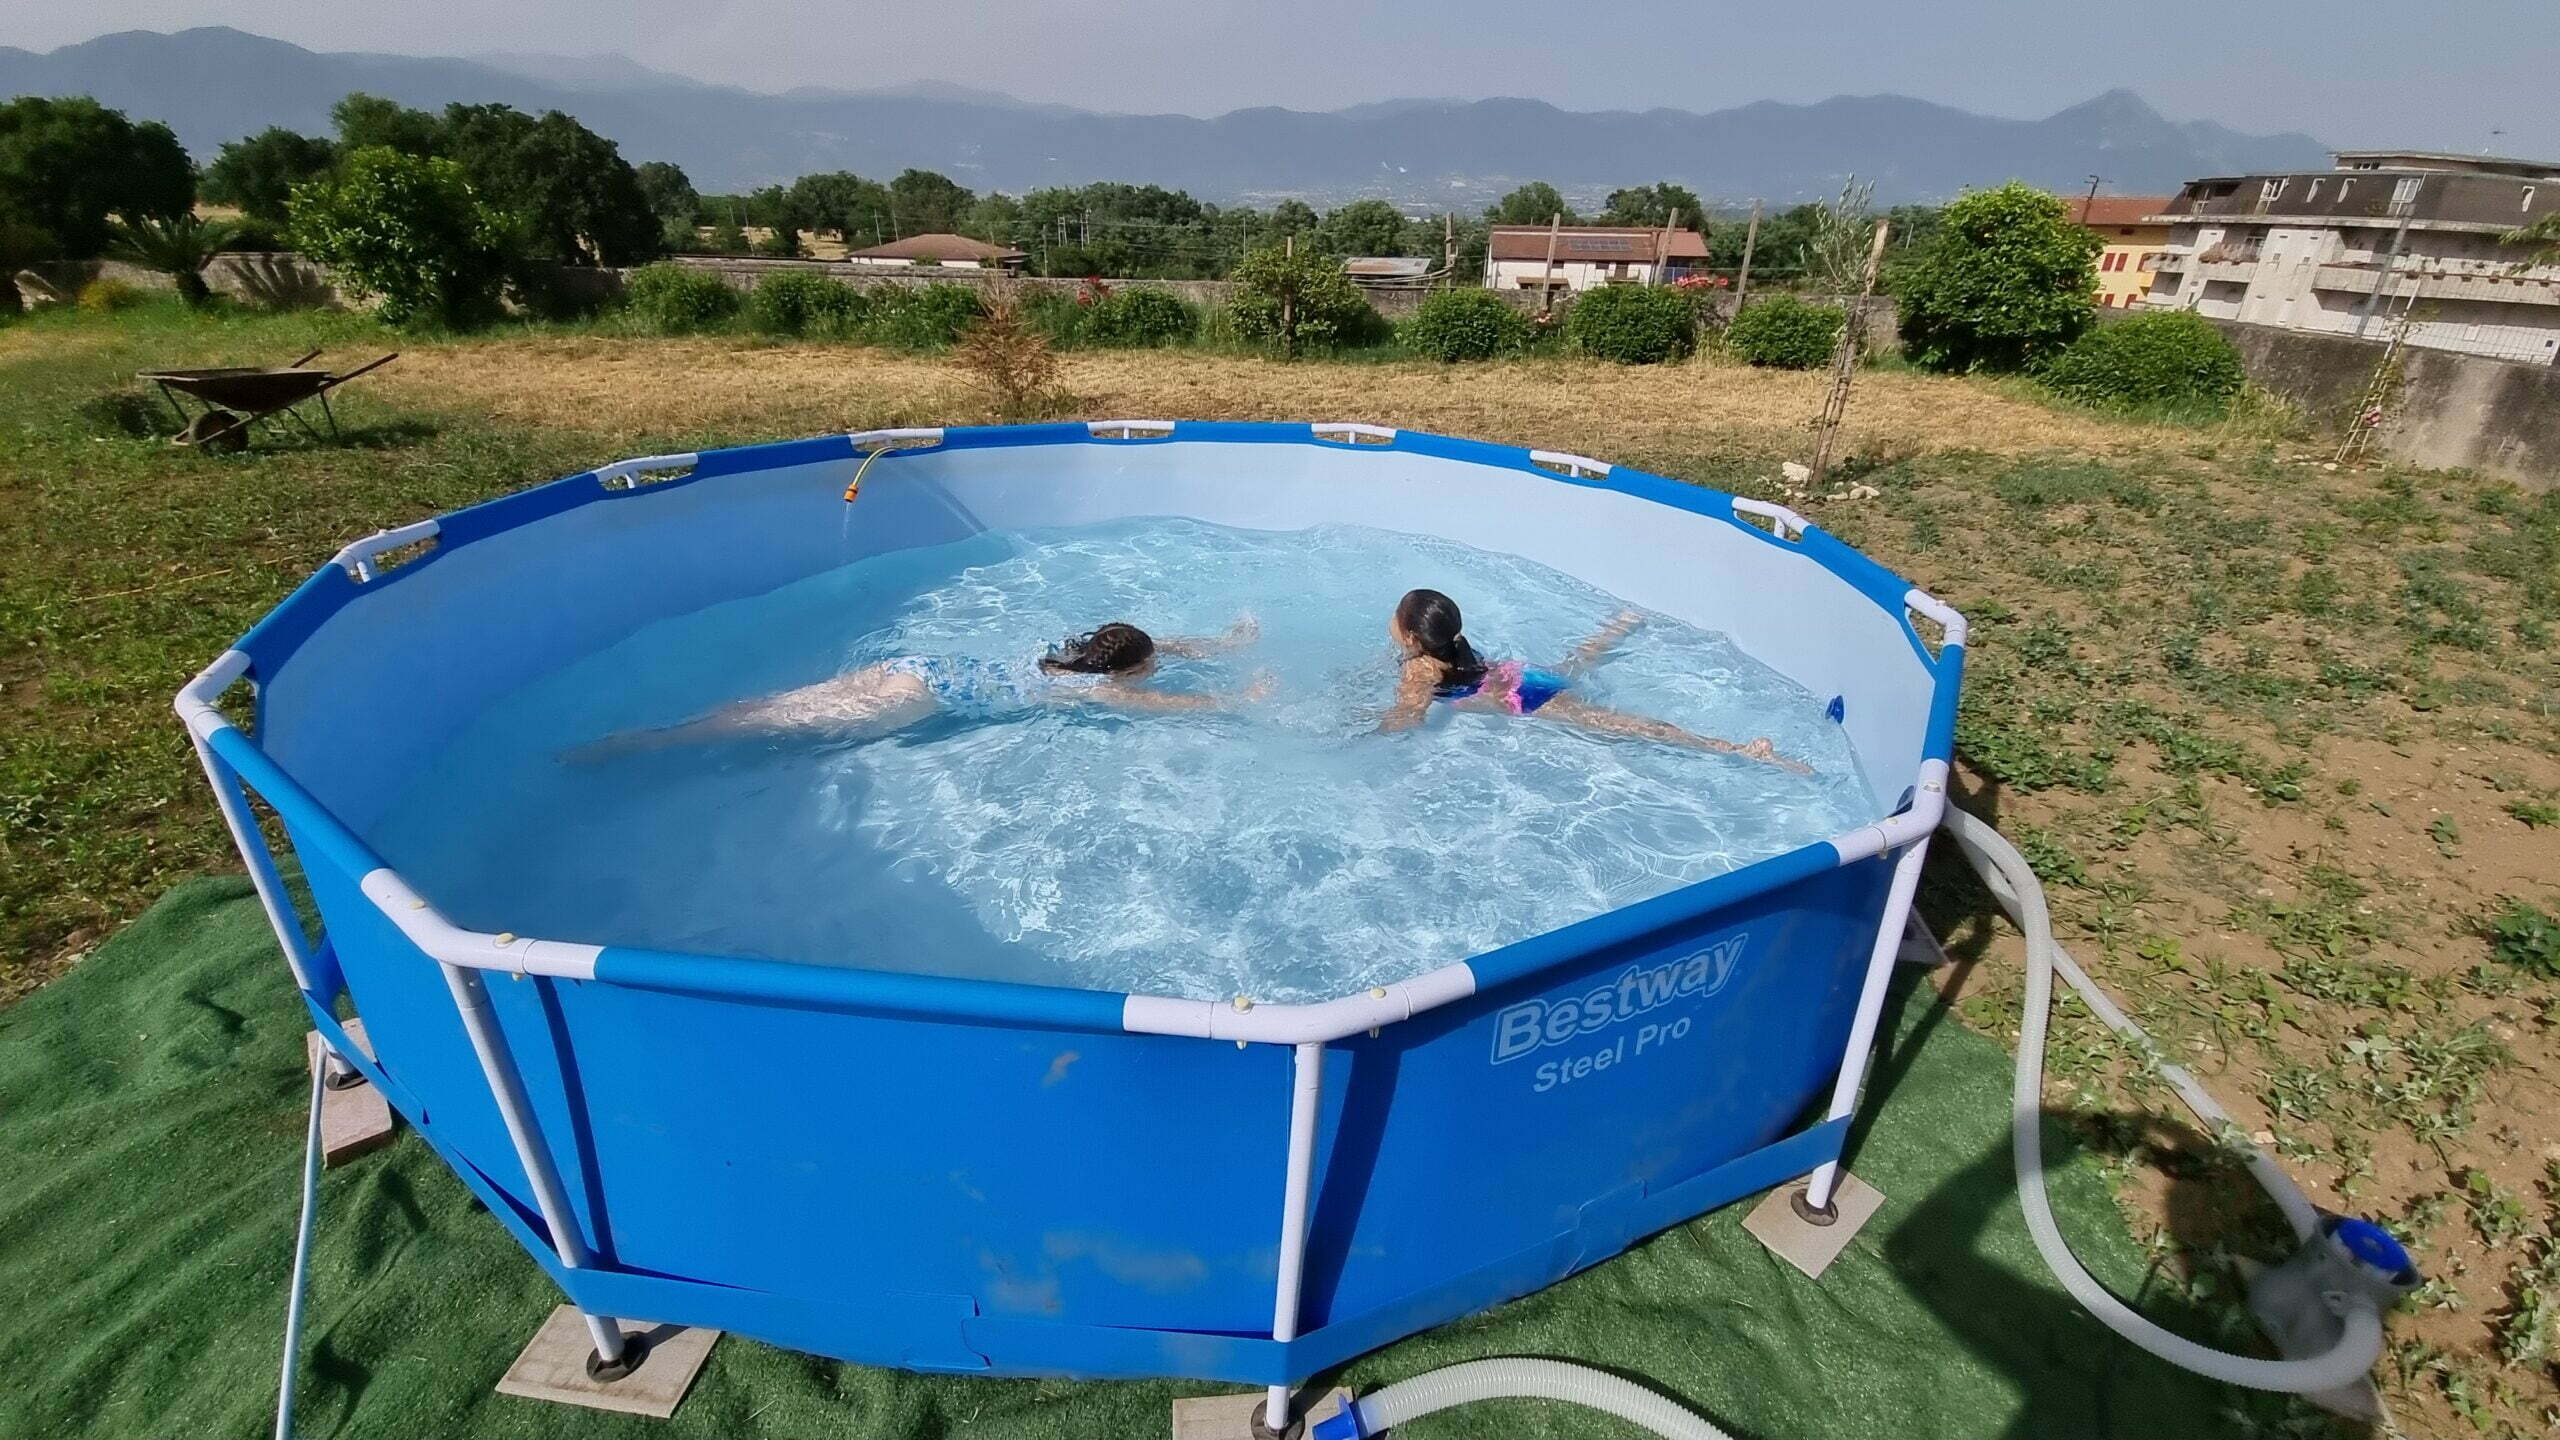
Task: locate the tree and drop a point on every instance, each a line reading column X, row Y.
column 179, row 247
column 1363, row 227
column 411, row 230
column 1298, row 299
column 844, row 202
column 778, row 209
column 2009, row 282
column 67, row 165
column 578, row 199
column 924, row 203
column 667, row 192
column 1290, row 217
column 1655, row 205
column 368, row 120
column 996, row 219
column 1532, row 204
column 257, row 174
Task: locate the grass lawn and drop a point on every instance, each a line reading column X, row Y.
column 2282, row 738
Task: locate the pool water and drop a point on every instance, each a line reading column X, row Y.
column 1278, row 848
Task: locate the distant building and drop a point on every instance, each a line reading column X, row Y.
column 2132, row 237
column 1388, row 272
column 957, row 252
column 1588, row 256
column 2386, row 233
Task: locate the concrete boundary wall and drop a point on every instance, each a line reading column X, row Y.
column 2448, row 410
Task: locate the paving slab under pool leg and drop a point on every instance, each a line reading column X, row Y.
column 1231, row 1417
column 1811, row 1243
column 1919, row 947
column 553, row 1366
column 354, row 1118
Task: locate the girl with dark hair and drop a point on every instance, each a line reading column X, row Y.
column 1106, row 666
column 1441, row 666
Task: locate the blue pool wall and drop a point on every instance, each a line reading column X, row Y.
column 521, row 585
column 948, row 1175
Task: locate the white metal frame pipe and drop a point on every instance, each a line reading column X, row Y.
column 1305, row 1097
column 1860, row 1051
column 498, row 1066
column 292, row 1370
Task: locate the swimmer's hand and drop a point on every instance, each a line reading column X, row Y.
column 1245, row 631
column 1259, row 688
column 1761, row 750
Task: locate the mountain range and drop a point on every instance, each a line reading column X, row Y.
column 216, row 84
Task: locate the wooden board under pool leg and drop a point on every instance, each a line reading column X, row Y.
column 355, row 1120
column 553, row 1366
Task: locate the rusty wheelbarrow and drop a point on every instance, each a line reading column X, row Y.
column 237, row 397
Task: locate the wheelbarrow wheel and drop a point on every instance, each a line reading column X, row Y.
column 216, row 432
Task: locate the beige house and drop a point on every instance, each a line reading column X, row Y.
column 2387, row 239
column 1589, row 256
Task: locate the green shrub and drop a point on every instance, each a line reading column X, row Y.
column 928, row 318
column 1785, row 333
column 796, row 302
column 106, row 297
column 1137, row 317
column 1633, row 324
column 2162, row 358
column 1300, row 300
column 670, row 299
column 2007, row 282
column 1455, row 325
column 411, row 231
column 1055, row 315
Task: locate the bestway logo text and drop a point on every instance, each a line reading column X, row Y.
column 1536, row 1024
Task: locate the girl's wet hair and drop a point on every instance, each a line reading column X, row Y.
column 1432, row 619
column 1107, row 651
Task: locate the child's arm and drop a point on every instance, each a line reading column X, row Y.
column 1140, row 697
column 1414, row 687
column 1244, row 632
column 1588, row 653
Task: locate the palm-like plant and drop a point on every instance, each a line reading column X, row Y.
column 2543, row 235
column 179, row 247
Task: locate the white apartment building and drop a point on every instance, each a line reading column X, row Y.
column 2384, row 237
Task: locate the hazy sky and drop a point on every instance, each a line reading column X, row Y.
column 2350, row 72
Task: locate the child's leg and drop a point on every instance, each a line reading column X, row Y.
column 870, row 699
column 1618, row 722
column 1589, row 652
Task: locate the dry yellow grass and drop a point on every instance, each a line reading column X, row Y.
column 676, row 386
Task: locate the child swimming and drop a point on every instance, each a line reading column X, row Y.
column 1104, row 667
column 1440, row 666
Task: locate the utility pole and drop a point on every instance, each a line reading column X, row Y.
column 1662, row 249
column 2094, row 182
column 1844, row 361
column 1288, row 301
column 1448, row 251
column 1547, row 281
column 1750, row 240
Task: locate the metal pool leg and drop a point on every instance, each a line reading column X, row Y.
column 285, row 1382
column 1303, row 1105
column 498, row 1066
column 263, row 876
column 1862, row 1030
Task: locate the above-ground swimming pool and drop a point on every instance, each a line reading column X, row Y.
column 909, row 1137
